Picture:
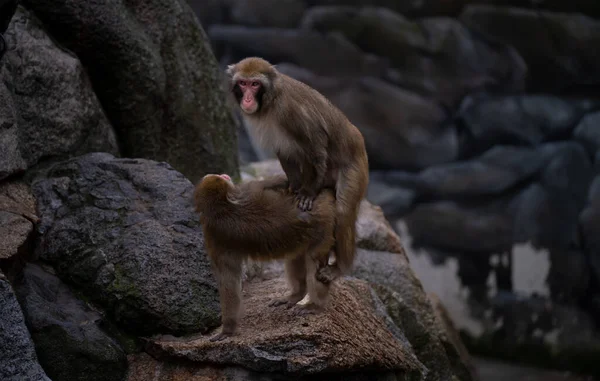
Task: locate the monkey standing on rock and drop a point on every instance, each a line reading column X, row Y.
column 260, row 220
column 315, row 143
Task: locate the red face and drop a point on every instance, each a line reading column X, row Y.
column 225, row 176
column 249, row 88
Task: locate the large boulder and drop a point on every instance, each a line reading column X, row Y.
column 267, row 13
column 325, row 54
column 589, row 221
column 156, row 77
column 18, row 361
column 521, row 120
column 123, row 232
column 66, row 332
column 401, row 129
column 555, row 46
column 588, row 132
column 436, row 57
column 47, row 104
column 277, row 342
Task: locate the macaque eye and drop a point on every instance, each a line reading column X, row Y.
column 255, row 84
column 242, row 83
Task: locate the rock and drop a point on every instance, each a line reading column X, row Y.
column 124, row 233
column 461, row 227
column 408, row 8
column 69, row 343
column 589, row 220
column 394, row 201
column 402, row 130
column 537, row 331
column 453, row 344
column 546, row 213
column 552, row 44
column 47, row 104
column 17, row 216
column 494, row 172
column 19, row 361
column 211, row 11
column 522, row 119
column 158, row 81
column 588, row 132
column 268, row 13
column 374, row 232
column 276, row 341
column 436, row 57
column 410, row 309
column 329, row 54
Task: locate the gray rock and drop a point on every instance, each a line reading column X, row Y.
column 268, row 13
column 589, row 221
column 552, row 44
column 565, row 181
column 123, row 232
column 156, row 76
column 47, row 105
column 18, row 361
column 329, row 54
column 521, row 119
column 436, row 57
column 395, row 201
column 210, row 11
column 69, row 343
column 408, row 306
column 402, row 130
column 494, row 172
column 588, row 132
column 408, row 8
column 461, row 227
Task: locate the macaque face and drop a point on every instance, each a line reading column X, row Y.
column 250, row 90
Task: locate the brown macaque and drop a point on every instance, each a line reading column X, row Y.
column 259, row 220
column 315, row 143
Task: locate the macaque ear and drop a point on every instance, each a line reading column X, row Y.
column 229, row 70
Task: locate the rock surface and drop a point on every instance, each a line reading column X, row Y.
column 47, row 105
column 19, row 361
column 158, row 81
column 17, row 216
column 436, row 57
column 123, row 232
column 69, row 342
column 274, row 340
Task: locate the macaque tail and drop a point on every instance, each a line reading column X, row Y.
column 351, row 188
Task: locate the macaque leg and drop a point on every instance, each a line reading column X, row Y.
column 228, row 271
column 295, row 270
column 318, row 292
column 329, row 271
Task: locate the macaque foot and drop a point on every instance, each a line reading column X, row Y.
column 220, row 336
column 308, row 309
column 288, row 301
column 305, row 201
column 327, row 274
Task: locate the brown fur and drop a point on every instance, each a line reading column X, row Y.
column 315, row 143
column 259, row 220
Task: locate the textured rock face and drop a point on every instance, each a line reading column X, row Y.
column 69, row 343
column 18, row 361
column 463, row 62
column 275, row 340
column 157, row 79
column 17, row 216
column 123, row 231
column 47, row 105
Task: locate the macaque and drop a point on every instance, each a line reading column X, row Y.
column 259, row 220
column 315, row 143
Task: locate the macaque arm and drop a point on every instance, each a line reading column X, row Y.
column 277, row 182
column 292, row 171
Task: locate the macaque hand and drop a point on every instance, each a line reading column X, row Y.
column 305, row 200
